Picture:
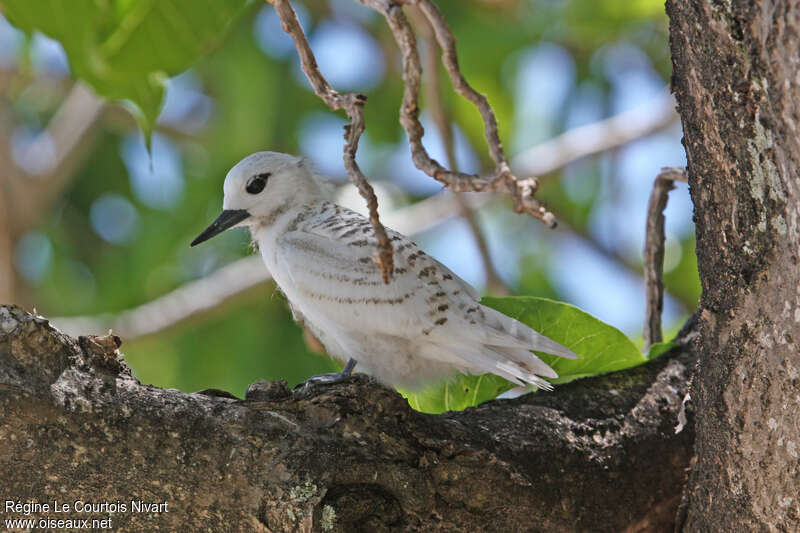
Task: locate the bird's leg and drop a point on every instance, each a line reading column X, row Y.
column 348, row 367
column 330, row 379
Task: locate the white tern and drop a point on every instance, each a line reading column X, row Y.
column 424, row 325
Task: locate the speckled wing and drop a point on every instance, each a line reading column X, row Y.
column 328, row 257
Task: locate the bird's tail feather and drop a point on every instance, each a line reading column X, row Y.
column 526, row 360
column 487, row 359
column 509, row 332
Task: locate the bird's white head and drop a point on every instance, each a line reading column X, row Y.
column 261, row 186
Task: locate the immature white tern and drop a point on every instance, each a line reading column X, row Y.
column 425, row 324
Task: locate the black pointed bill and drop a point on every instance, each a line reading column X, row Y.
column 227, row 219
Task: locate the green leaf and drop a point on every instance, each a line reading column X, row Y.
column 660, row 348
column 457, row 394
column 126, row 49
column 601, row 348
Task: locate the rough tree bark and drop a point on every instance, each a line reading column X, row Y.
column 737, row 82
column 597, row 455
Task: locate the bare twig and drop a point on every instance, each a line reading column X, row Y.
column 444, row 124
column 597, row 137
column 502, row 179
column 654, row 252
column 353, row 104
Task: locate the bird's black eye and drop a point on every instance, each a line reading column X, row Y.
column 257, row 183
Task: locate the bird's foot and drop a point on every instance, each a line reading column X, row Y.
column 328, row 379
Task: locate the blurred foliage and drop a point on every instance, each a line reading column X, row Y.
column 243, row 97
column 683, row 280
column 126, row 49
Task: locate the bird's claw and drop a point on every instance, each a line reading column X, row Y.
column 328, row 379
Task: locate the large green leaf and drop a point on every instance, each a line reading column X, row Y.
column 660, row 348
column 125, row 49
column 457, row 394
column 601, row 348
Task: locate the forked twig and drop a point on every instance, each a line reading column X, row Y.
column 353, row 105
column 501, row 179
column 654, row 252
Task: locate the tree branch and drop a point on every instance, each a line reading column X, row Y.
column 598, row 137
column 348, row 457
column 735, row 77
column 353, row 104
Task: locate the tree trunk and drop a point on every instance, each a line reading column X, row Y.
column 597, row 455
column 737, row 82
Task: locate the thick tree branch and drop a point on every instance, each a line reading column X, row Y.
column 735, row 76
column 350, row 457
